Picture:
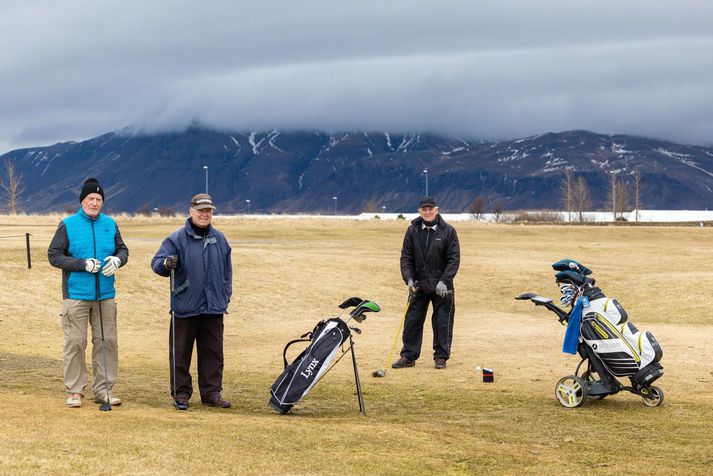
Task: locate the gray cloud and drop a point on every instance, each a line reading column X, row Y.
column 488, row 70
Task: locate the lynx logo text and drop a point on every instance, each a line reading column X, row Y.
column 307, row 373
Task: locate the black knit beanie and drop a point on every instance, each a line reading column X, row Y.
column 91, row 185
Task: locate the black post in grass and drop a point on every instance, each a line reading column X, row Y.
column 29, row 257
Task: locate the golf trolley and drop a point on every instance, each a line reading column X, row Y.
column 597, row 379
column 326, row 343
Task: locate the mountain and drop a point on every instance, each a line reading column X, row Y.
column 295, row 172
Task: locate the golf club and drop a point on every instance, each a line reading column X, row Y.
column 176, row 403
column 106, row 406
column 380, row 372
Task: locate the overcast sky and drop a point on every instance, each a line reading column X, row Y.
column 71, row 69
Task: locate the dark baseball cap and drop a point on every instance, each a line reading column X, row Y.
column 202, row 201
column 427, row 202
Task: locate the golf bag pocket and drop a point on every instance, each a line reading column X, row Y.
column 647, row 375
column 304, row 372
column 614, row 350
column 648, row 347
column 610, row 309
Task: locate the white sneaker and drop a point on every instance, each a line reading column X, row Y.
column 115, row 401
column 74, row 400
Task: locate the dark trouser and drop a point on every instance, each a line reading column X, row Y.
column 207, row 331
column 441, row 320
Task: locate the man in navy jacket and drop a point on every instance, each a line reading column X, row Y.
column 200, row 257
column 83, row 245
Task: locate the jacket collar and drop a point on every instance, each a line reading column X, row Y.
column 418, row 222
column 85, row 216
column 191, row 233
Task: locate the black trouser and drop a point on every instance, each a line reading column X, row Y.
column 207, row 332
column 441, row 320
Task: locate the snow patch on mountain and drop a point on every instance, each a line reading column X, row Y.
column 684, row 159
column 271, row 140
column 254, row 144
column 619, row 149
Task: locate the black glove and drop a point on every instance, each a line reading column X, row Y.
column 171, row 262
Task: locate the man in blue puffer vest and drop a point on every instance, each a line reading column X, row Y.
column 83, row 245
column 200, row 257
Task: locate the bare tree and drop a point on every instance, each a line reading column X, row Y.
column 637, row 192
column 13, row 186
column 371, row 207
column 477, row 207
column 567, row 193
column 611, row 200
column 619, row 197
column 582, row 199
column 498, row 208
column 623, row 198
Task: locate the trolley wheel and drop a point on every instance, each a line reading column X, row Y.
column 590, row 377
column 655, row 399
column 571, row 391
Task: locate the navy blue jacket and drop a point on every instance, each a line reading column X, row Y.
column 78, row 238
column 204, row 275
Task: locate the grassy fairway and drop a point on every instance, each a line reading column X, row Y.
column 290, row 274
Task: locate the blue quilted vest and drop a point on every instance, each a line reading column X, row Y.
column 90, row 239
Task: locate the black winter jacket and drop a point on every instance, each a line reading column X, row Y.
column 441, row 261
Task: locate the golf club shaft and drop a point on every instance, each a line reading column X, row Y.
column 173, row 333
column 398, row 332
column 101, row 326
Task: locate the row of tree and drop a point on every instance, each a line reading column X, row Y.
column 621, row 196
column 576, row 198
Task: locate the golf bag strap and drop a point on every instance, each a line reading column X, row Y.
column 301, row 339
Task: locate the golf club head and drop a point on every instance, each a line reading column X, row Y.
column 525, row 296
column 351, row 302
column 105, row 407
column 365, row 306
column 378, row 373
column 180, row 405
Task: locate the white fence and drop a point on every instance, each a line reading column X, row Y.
column 646, row 216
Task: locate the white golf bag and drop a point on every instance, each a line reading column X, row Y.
column 623, row 349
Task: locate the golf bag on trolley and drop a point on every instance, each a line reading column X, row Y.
column 611, row 347
column 326, row 343
column 624, row 350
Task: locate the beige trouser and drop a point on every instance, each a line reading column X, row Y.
column 75, row 315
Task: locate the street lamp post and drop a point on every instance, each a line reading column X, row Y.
column 425, row 171
column 205, row 167
column 335, row 204
column 248, row 202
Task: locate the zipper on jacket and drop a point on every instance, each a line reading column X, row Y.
column 94, row 244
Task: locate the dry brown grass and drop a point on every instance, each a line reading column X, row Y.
column 288, row 275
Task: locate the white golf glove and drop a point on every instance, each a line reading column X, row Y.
column 92, row 265
column 112, row 264
column 441, row 289
column 411, row 286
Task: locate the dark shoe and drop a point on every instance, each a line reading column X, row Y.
column 440, row 363
column 180, row 403
column 218, row 402
column 403, row 362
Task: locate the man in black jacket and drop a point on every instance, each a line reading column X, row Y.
column 430, row 257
